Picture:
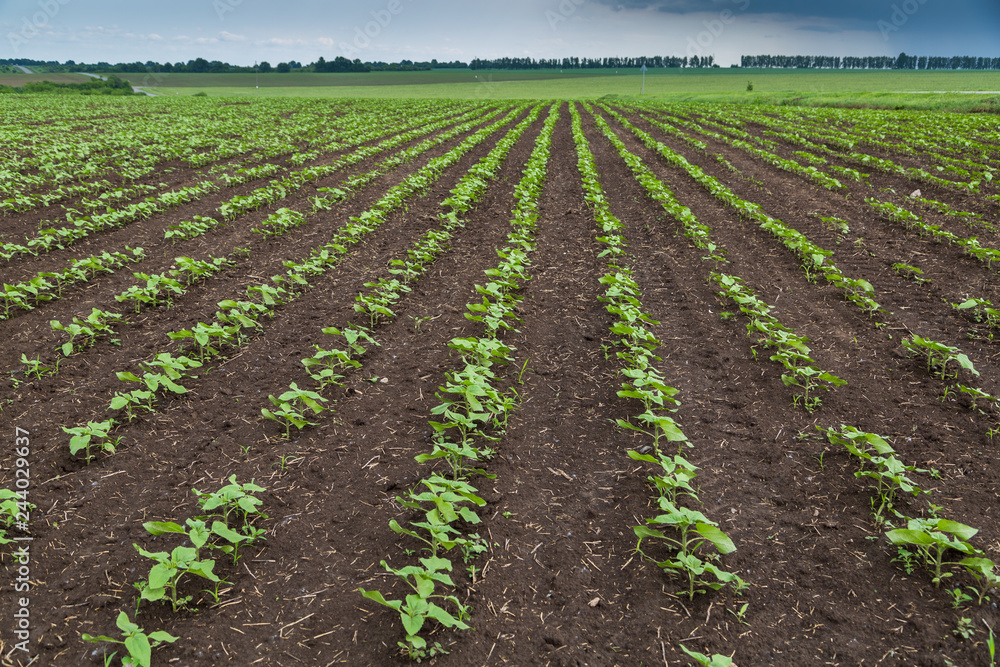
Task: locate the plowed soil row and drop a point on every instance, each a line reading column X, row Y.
column 561, row 583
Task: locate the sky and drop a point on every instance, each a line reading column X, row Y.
column 243, row 32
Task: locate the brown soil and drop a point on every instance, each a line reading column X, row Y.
column 561, row 583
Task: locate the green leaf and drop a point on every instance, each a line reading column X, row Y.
column 958, row 529
column 161, row 637
column 904, row 536
column 160, row 575
column 163, row 528
column 444, row 618
column 139, row 648
column 718, row 538
column 377, row 597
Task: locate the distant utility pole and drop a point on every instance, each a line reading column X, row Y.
column 643, row 80
column 256, row 71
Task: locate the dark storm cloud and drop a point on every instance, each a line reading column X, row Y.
column 860, row 11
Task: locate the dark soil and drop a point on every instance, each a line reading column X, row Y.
column 561, row 583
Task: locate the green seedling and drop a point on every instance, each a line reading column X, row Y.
column 76, row 330
column 290, row 406
column 158, row 289
column 12, row 510
column 204, row 334
column 982, row 570
column 447, row 499
column 678, row 473
column 959, row 597
column 193, row 270
column 695, row 531
column 130, row 402
column 702, row 659
column 964, row 629
column 931, row 539
column 326, row 366
column 459, row 457
column 138, row 644
column 36, row 369
column 171, row 568
column 234, row 500
column 938, row 356
column 422, row 604
column 911, row 272
column 741, row 615
column 95, row 435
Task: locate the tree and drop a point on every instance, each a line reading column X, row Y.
column 264, row 67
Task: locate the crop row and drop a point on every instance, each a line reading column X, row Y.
column 166, row 372
column 159, row 288
column 814, row 259
column 685, row 533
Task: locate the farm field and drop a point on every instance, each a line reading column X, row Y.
column 928, row 90
column 257, row 347
column 21, row 79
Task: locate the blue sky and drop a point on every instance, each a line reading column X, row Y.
column 245, row 31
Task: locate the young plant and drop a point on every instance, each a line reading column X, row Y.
column 93, row 436
column 447, row 498
column 326, row 365
column 702, row 659
column 76, row 330
column 130, row 402
column 138, row 644
column 938, row 356
column 677, row 475
column 204, row 334
column 422, row 604
column 982, row 570
column 931, row 539
column 695, row 531
column 878, row 463
column 171, row 568
column 36, row 369
column 235, row 500
column 290, row 407
column 911, row 272
column 13, row 509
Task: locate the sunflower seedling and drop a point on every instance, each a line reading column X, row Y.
column 421, row 605
column 447, row 499
column 235, row 500
column 931, row 539
column 171, row 568
column 695, row 530
column 702, row 659
column 938, row 356
column 290, row 406
column 90, row 437
column 138, row 644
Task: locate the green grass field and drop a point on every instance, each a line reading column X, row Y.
column 886, row 89
column 21, row 79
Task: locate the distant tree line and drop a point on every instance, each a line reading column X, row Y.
column 203, row 66
column 592, row 63
column 342, row 64
column 902, row 61
column 112, row 86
